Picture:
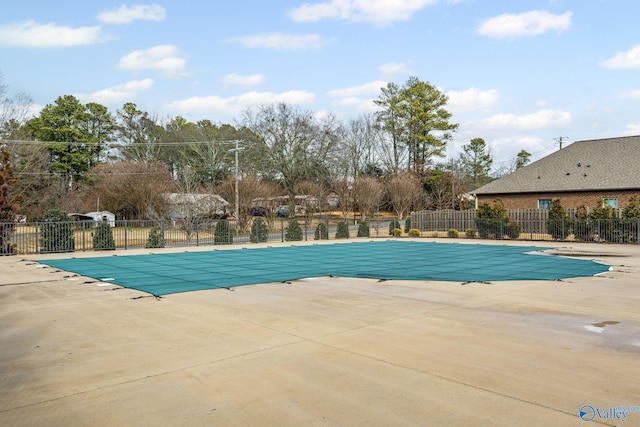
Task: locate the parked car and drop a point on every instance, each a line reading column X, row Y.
column 259, row 211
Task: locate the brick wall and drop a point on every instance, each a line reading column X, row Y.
column 567, row 200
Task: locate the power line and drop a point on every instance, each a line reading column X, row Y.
column 116, row 145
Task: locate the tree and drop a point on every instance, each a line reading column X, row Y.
column 404, row 192
column 368, row 192
column 138, row 134
column 291, row 145
column 392, row 121
column 357, row 154
column 415, row 114
column 131, row 190
column 74, row 135
column 344, row 190
column 250, row 188
column 522, row 158
column 13, row 109
column 100, row 129
column 8, row 203
column 476, row 161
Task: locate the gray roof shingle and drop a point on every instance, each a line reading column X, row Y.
column 601, row 164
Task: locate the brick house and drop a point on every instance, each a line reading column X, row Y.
column 578, row 175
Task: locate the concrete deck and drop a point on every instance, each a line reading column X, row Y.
column 322, row 351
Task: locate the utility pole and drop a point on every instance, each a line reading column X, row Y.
column 560, row 140
column 237, row 177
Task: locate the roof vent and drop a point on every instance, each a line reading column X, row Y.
column 568, row 174
column 585, row 174
column 579, row 164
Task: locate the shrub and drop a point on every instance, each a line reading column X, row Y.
column 453, row 233
column 396, row 232
column 363, row 229
column 6, row 247
column 490, row 219
column 558, row 223
column 222, row 233
column 103, row 238
column 393, row 225
column 470, row 233
column 56, row 232
column 512, row 230
column 155, row 239
column 321, row 232
column 583, row 226
column 407, row 225
column 294, row 232
column 259, row 232
column 414, row 232
column 342, row 232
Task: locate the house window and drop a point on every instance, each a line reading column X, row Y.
column 544, row 204
column 611, row 203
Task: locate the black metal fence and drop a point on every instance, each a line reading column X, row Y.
column 56, row 237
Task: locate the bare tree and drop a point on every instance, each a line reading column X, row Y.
column 249, row 189
column 404, row 192
column 291, row 145
column 344, row 190
column 368, row 193
column 314, row 197
column 131, row 190
column 13, row 108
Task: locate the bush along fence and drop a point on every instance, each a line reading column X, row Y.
column 55, row 235
column 579, row 225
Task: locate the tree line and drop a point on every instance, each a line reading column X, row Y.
column 82, row 157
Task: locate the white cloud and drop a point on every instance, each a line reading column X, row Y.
column 125, row 92
column 372, row 88
column 624, row 60
column 524, row 24
column 538, row 120
column 471, row 99
column 395, row 69
column 236, row 104
column 164, row 58
column 379, row 12
column 126, row 14
column 632, row 129
column 280, row 41
column 633, row 94
column 32, row 34
column 358, row 98
column 354, row 103
column 234, row 79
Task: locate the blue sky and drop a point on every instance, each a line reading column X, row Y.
column 519, row 74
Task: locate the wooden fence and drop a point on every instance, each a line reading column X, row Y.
column 530, row 220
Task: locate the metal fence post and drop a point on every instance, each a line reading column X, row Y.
column 282, row 228
column 197, row 233
column 125, row 233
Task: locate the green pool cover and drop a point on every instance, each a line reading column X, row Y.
column 167, row 273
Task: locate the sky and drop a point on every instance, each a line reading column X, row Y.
column 519, row 74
